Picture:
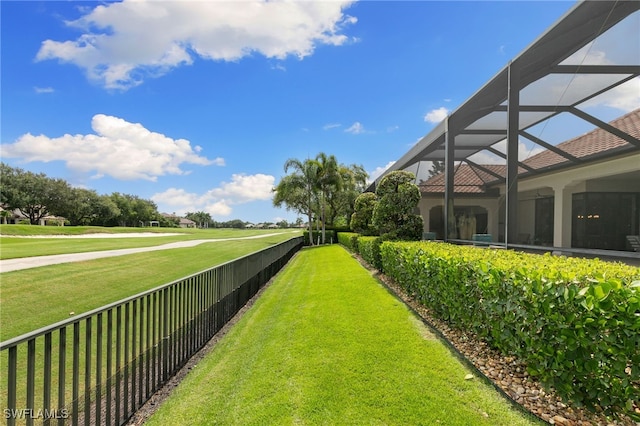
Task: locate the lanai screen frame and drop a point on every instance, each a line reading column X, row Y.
column 544, row 58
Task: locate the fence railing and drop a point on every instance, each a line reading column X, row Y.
column 101, row 366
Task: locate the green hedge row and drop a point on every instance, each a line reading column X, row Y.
column 349, row 240
column 575, row 322
column 369, row 249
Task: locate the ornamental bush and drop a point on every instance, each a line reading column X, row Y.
column 361, row 219
column 393, row 215
column 574, row 322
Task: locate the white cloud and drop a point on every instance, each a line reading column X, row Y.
column 331, row 126
column 244, row 188
column 124, row 42
column 524, row 152
column 356, row 128
column 392, row 129
column 618, row 47
column 43, row 90
column 218, row 201
column 625, row 97
column 120, row 149
column 379, row 170
column 437, row 115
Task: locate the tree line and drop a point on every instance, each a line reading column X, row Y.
column 37, row 196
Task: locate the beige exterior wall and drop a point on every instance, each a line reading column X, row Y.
column 489, row 204
column 621, row 174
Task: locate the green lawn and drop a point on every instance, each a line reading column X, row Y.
column 20, row 229
column 12, row 246
column 327, row 344
column 50, row 293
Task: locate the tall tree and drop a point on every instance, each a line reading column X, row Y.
column 298, row 191
column 105, row 211
column 83, row 206
column 328, row 182
column 202, row 219
column 353, row 183
column 34, row 195
column 134, row 211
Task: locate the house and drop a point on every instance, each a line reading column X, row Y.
column 186, row 223
column 581, row 194
column 180, row 221
column 16, row 216
column 596, row 199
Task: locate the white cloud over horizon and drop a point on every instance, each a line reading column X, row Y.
column 218, row 201
column 123, row 43
column 118, row 148
column 437, row 115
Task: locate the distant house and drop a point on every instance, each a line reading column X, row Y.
column 186, row 223
column 180, row 221
column 16, row 216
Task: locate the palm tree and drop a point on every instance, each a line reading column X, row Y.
column 328, row 182
column 298, row 190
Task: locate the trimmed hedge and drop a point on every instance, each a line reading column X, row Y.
column 369, row 249
column 349, row 240
column 575, row 322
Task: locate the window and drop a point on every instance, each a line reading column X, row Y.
column 602, row 220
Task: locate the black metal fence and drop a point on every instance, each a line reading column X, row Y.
column 101, row 366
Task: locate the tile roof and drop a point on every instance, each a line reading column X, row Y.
column 471, row 180
column 595, row 142
column 466, row 180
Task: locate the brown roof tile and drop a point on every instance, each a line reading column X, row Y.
column 471, row 180
column 595, row 142
column 466, row 180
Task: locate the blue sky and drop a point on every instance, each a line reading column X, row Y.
column 197, row 105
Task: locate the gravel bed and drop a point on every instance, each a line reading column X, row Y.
column 506, row 373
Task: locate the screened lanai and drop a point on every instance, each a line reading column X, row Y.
column 582, row 76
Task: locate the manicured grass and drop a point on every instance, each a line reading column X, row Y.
column 12, row 229
column 14, row 247
column 327, row 344
column 50, row 293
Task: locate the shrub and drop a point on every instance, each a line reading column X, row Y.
column 575, row 322
column 369, row 249
column 361, row 219
column 347, row 239
column 393, row 215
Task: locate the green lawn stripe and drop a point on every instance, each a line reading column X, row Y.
column 13, row 247
column 327, row 344
column 79, row 287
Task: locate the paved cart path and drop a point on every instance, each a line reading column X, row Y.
column 8, row 265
